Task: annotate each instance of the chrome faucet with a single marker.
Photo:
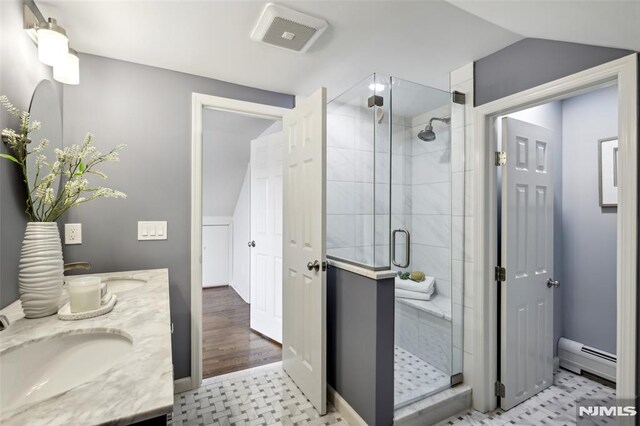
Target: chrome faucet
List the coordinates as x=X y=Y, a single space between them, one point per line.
x=76 y=265
x=4 y=322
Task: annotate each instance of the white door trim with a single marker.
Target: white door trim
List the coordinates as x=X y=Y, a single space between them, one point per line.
x=198 y=102
x=624 y=72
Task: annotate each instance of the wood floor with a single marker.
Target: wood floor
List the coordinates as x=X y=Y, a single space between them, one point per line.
x=228 y=342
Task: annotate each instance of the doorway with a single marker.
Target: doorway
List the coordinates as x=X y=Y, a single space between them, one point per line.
x=557 y=246
x=303 y=238
x=622 y=72
x=241 y=218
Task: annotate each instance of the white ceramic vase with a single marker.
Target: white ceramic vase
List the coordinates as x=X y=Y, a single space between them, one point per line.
x=41 y=270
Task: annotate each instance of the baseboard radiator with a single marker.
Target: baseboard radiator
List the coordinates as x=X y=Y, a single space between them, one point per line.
x=577 y=357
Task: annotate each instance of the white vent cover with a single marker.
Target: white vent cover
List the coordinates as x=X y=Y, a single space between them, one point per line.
x=287 y=28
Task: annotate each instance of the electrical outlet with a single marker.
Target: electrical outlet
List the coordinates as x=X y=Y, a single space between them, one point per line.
x=72 y=233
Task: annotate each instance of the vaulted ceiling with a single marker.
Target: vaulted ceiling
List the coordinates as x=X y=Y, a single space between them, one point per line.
x=421 y=41
x=608 y=23
x=418 y=41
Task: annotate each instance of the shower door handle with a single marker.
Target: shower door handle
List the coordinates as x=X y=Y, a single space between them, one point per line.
x=407 y=248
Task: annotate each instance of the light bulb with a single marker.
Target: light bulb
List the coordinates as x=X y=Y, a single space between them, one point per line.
x=68 y=70
x=53 y=44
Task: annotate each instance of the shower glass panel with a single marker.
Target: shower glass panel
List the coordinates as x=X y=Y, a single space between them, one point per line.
x=395 y=200
x=421 y=208
x=358 y=192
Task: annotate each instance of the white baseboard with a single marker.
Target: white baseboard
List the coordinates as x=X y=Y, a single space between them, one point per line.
x=343 y=407
x=182 y=385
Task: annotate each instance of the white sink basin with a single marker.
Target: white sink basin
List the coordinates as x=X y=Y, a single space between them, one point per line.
x=44 y=368
x=119 y=285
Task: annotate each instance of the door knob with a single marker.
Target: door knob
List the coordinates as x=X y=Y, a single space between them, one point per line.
x=553 y=283
x=315 y=265
x=251 y=243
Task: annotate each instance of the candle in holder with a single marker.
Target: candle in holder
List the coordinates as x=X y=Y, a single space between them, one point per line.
x=84 y=294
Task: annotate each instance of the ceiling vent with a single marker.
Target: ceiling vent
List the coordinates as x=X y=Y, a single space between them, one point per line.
x=287 y=28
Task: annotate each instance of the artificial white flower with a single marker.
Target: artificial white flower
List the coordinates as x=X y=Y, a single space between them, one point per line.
x=42 y=145
x=40 y=161
x=73 y=164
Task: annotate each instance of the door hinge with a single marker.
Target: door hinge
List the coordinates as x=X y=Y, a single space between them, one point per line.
x=375 y=100
x=499 y=389
x=458 y=98
x=456 y=379
x=501 y=274
x=501 y=158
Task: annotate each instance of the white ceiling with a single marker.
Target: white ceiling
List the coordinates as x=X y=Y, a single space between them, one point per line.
x=225 y=155
x=421 y=41
x=609 y=23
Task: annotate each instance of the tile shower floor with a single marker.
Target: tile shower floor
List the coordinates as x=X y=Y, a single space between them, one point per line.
x=555 y=405
x=415 y=378
x=259 y=396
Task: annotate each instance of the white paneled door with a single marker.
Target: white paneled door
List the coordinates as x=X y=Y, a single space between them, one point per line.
x=215 y=255
x=526 y=362
x=304 y=338
x=266 y=236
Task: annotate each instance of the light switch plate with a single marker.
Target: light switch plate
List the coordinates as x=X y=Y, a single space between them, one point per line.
x=72 y=233
x=152 y=230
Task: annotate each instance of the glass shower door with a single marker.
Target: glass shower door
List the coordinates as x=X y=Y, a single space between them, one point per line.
x=421 y=239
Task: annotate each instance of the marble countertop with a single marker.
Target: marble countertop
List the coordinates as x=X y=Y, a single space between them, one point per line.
x=138 y=387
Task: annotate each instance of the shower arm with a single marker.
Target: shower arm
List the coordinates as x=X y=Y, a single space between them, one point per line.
x=445 y=120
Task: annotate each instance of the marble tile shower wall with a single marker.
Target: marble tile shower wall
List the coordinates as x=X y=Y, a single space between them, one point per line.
x=431 y=200
x=350 y=184
x=374 y=186
x=398 y=181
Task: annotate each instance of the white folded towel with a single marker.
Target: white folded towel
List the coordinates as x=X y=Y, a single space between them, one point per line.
x=417 y=295
x=426 y=286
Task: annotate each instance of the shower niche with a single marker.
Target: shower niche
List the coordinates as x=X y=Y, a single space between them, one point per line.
x=395 y=202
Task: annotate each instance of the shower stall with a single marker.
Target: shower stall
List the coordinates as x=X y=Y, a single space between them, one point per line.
x=395 y=202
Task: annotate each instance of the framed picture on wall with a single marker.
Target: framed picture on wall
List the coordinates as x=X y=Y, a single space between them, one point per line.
x=608 y=172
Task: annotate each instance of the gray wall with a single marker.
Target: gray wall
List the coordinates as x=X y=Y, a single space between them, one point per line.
x=149 y=109
x=531 y=62
x=20 y=73
x=588 y=282
x=360 y=324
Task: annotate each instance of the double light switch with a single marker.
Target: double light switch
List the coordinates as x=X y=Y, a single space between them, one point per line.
x=156 y=230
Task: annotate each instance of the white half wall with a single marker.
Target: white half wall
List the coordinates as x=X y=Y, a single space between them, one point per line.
x=241 y=259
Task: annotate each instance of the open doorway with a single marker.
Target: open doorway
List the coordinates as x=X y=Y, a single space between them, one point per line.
x=303 y=271
x=241 y=241
x=557 y=199
x=487 y=382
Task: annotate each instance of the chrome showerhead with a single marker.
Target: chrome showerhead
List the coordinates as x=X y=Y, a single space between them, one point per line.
x=427 y=134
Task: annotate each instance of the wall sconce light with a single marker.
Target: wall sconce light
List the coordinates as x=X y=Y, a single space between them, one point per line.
x=53 y=45
x=68 y=70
